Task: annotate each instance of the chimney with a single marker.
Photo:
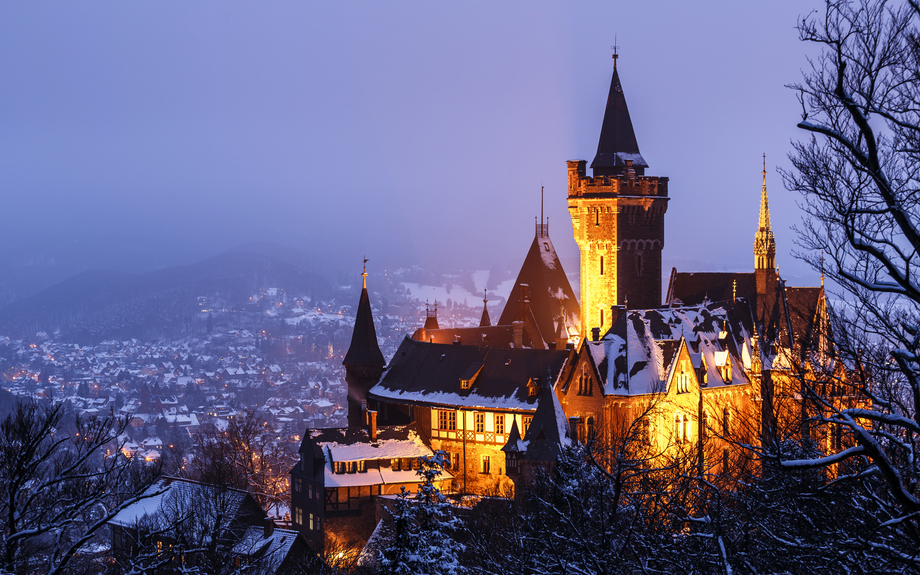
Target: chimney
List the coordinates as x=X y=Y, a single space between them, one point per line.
x=630 y=171
x=372 y=424
x=518 y=327
x=269 y=527
x=615 y=312
x=595 y=333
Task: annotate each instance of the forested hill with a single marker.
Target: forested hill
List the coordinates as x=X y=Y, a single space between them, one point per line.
x=98 y=305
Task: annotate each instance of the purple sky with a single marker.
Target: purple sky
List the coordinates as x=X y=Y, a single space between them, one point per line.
x=410 y=132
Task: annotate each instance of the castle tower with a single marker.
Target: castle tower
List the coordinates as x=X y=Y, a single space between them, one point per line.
x=618 y=220
x=363 y=362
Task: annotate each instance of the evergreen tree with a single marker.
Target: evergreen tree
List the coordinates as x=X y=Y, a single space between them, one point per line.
x=420 y=541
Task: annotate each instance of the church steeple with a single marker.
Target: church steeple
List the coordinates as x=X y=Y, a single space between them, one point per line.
x=764 y=242
x=617 y=142
x=363 y=362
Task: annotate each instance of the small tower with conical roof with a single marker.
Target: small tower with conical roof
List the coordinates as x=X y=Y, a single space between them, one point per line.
x=618 y=219
x=486 y=321
x=363 y=362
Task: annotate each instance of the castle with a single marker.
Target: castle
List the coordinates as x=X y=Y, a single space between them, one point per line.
x=687 y=376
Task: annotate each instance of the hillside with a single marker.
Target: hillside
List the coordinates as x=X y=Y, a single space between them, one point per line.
x=98 y=305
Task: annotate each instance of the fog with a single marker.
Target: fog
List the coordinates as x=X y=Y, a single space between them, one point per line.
x=140 y=135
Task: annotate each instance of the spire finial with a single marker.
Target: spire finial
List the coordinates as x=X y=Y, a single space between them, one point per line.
x=615 y=55
x=485 y=296
x=364 y=274
x=822 y=270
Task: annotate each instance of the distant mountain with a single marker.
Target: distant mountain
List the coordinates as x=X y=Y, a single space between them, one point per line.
x=97 y=305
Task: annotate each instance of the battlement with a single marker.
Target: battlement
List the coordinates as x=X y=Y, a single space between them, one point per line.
x=625 y=184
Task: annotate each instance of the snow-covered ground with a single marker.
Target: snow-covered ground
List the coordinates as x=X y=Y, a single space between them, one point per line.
x=459 y=294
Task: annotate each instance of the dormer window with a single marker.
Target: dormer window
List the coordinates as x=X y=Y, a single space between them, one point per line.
x=683 y=383
x=468 y=378
x=726 y=370
x=533 y=386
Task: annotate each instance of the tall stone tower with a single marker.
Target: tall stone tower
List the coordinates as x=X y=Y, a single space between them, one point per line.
x=618 y=219
x=363 y=362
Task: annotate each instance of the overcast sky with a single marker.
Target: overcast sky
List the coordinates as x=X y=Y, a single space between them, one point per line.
x=411 y=132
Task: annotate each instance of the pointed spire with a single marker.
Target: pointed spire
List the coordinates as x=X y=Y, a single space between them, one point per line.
x=764 y=242
x=617 y=142
x=364 y=350
x=485 y=321
x=764 y=203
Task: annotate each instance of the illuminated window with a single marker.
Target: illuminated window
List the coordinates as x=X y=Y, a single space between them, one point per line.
x=447 y=420
x=499 y=423
x=486 y=464
x=362 y=466
x=480 y=420
x=525 y=423
x=298 y=515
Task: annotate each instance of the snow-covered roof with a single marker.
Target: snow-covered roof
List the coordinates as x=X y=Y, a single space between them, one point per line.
x=641 y=347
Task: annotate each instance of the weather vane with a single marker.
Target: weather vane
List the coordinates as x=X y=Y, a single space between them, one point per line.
x=364 y=273
x=615 y=55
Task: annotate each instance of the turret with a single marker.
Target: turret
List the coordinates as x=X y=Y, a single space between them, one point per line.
x=364 y=363
x=485 y=321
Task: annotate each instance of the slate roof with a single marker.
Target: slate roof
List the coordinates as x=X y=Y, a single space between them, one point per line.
x=803 y=308
x=429 y=374
x=354 y=443
x=549 y=291
x=364 y=350
x=171 y=496
x=494 y=336
x=549 y=431
x=617 y=142
x=692 y=288
x=785 y=311
x=642 y=345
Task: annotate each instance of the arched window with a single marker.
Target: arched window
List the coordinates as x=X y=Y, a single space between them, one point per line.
x=686 y=430
x=597 y=217
x=590 y=423
x=602 y=265
x=677 y=428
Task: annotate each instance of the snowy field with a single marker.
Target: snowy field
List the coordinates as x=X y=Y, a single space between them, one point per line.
x=459 y=294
